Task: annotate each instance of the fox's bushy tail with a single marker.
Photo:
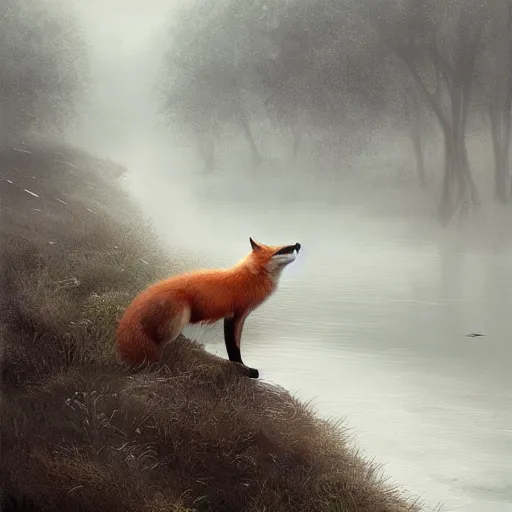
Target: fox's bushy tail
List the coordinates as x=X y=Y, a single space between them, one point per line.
x=134 y=346
x=141 y=338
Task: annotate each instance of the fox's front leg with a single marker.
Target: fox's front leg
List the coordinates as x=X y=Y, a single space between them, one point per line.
x=232 y=336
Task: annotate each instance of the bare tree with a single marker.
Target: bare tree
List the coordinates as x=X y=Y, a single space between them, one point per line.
x=438 y=42
x=496 y=80
x=417 y=121
x=207 y=75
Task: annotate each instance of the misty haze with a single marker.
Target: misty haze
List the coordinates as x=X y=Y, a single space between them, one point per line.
x=375 y=133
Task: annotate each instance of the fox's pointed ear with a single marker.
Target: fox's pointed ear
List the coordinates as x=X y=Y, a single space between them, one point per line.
x=254 y=245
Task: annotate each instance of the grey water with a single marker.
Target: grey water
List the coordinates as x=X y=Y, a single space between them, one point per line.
x=370 y=324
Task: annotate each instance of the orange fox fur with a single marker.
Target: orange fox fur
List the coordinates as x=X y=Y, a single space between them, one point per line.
x=158 y=314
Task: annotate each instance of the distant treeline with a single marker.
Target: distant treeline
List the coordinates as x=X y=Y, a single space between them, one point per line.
x=323 y=66
x=322 y=73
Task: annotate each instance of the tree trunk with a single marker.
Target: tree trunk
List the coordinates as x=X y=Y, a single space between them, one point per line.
x=417 y=144
x=446 y=208
x=461 y=171
x=250 y=138
x=457 y=86
x=458 y=184
x=500 y=131
x=417 y=140
x=502 y=173
x=475 y=196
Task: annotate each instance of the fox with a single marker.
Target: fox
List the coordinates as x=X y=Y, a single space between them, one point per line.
x=158 y=314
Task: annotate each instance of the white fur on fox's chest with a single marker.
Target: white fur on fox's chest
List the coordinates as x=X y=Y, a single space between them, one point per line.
x=277 y=264
x=275 y=274
x=274 y=266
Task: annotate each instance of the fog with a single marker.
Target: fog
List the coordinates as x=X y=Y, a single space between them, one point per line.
x=371 y=321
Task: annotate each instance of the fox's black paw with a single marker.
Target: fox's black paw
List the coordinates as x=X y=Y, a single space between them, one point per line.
x=253 y=373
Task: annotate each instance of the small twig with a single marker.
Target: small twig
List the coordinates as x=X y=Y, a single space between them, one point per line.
x=29 y=192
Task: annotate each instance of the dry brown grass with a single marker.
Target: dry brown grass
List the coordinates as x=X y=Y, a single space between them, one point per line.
x=81 y=432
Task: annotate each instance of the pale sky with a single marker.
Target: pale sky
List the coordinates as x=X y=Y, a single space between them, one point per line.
x=125 y=51
x=121 y=24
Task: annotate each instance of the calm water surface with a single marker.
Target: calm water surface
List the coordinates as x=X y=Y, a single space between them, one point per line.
x=370 y=323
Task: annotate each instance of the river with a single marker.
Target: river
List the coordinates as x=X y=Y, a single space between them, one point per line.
x=370 y=324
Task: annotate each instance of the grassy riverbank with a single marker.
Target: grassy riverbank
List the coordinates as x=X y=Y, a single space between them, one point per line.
x=80 y=431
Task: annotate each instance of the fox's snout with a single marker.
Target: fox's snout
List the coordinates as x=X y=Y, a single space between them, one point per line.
x=289 y=249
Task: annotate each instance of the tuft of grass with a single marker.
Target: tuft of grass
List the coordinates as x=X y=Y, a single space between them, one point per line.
x=82 y=432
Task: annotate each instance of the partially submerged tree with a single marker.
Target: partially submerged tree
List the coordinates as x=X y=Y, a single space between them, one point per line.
x=496 y=81
x=438 y=43
x=42 y=68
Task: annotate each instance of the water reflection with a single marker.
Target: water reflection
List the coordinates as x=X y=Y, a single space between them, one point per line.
x=370 y=323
